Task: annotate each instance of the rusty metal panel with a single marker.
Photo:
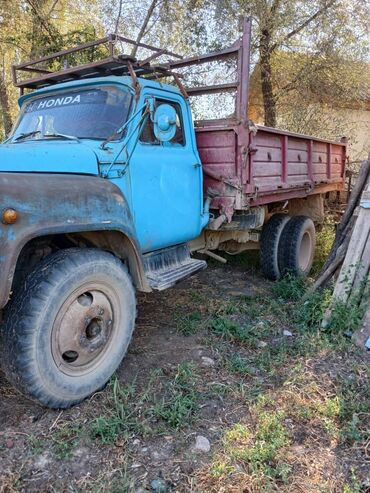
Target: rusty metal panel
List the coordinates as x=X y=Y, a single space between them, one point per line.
x=217 y=150
x=49 y=204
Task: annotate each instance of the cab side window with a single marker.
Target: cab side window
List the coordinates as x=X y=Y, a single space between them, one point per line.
x=147 y=134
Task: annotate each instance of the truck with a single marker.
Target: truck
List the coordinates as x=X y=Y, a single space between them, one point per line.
x=109 y=187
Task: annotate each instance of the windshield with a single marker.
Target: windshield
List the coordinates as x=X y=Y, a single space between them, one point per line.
x=85 y=114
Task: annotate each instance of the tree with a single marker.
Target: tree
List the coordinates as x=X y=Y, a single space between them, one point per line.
x=321 y=28
x=33 y=28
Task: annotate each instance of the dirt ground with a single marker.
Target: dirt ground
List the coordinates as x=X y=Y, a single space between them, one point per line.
x=221 y=360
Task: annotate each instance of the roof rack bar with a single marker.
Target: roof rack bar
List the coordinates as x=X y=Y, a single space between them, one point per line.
x=150 y=58
x=84 y=46
x=198 y=91
x=144 y=45
x=242 y=96
x=38 y=70
x=128 y=65
x=208 y=57
x=74 y=70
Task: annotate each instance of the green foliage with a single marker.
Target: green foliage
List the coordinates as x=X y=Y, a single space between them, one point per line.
x=324 y=240
x=121 y=417
x=189 y=323
x=64 y=441
x=290 y=288
x=238 y=364
x=354 y=411
x=230 y=330
x=345 y=317
x=309 y=314
x=37 y=444
x=259 y=450
x=179 y=403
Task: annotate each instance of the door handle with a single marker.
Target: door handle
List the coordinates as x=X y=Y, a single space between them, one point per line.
x=197 y=165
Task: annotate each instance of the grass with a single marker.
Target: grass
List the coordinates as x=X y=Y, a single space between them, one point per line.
x=179 y=403
x=256 y=451
x=280 y=387
x=324 y=241
x=189 y=323
x=122 y=418
x=236 y=363
x=169 y=400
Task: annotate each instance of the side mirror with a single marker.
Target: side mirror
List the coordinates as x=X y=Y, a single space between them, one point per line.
x=165 y=122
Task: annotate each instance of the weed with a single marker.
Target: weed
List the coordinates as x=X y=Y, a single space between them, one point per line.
x=190 y=323
x=121 y=419
x=236 y=363
x=198 y=297
x=290 y=288
x=355 y=486
x=36 y=444
x=324 y=241
x=345 y=317
x=354 y=411
x=309 y=314
x=259 y=450
x=218 y=389
x=270 y=437
x=232 y=331
x=220 y=469
x=179 y=403
x=330 y=408
x=64 y=441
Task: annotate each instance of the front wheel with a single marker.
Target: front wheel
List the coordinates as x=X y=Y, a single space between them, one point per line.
x=69 y=327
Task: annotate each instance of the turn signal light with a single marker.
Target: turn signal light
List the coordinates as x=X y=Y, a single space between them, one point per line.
x=9 y=216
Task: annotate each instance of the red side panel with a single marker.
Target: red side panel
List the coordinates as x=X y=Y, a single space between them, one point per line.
x=284 y=161
x=267 y=165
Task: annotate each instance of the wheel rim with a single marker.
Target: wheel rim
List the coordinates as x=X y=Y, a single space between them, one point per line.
x=305 y=251
x=84 y=328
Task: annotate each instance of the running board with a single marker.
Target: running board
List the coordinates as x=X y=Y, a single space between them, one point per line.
x=167 y=267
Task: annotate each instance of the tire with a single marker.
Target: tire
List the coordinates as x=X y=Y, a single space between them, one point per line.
x=297 y=246
x=69 y=326
x=271 y=233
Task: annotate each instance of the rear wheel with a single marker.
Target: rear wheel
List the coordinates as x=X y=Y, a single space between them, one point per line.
x=297 y=246
x=270 y=238
x=69 y=327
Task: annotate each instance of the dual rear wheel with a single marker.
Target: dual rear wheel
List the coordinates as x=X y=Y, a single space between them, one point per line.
x=287 y=246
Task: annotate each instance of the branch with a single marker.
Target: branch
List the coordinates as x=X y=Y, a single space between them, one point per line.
x=275 y=6
x=43 y=21
x=144 y=26
x=55 y=3
x=118 y=16
x=304 y=24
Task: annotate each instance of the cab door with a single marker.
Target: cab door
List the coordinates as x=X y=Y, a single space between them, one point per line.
x=166 y=181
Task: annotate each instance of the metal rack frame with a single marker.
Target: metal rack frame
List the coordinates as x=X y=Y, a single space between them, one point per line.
x=115 y=64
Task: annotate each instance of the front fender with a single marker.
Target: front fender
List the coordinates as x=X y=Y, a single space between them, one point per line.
x=49 y=204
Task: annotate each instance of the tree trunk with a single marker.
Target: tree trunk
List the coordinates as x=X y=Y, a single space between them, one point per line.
x=269 y=101
x=5 y=107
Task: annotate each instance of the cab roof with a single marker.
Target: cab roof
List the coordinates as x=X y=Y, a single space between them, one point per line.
x=98 y=81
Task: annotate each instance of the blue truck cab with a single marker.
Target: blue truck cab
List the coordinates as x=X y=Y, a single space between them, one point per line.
x=101 y=189
x=163 y=177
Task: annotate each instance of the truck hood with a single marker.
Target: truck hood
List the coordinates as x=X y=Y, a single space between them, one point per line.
x=48 y=157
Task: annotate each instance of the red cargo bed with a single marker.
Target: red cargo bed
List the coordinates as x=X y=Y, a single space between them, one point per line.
x=260 y=165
